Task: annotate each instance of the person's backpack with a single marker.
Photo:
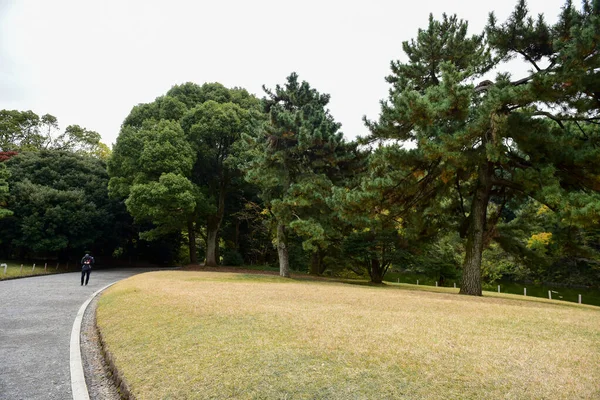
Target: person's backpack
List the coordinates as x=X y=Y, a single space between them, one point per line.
x=87 y=264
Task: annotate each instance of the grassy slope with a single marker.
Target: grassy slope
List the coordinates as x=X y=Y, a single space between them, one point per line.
x=201 y=335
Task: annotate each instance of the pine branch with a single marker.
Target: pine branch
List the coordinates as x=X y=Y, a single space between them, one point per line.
x=518 y=162
x=524 y=80
x=519 y=188
x=530 y=77
x=586 y=137
x=530 y=60
x=559 y=120
x=506 y=183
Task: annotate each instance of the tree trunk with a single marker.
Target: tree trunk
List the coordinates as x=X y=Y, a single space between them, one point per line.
x=212 y=228
x=211 y=243
x=471 y=280
x=441 y=280
x=376 y=271
x=192 y=242
x=282 y=251
x=315 y=263
x=322 y=265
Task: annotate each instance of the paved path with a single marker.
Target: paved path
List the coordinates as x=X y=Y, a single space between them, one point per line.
x=36 y=318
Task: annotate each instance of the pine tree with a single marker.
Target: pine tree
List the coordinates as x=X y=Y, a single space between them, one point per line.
x=497 y=141
x=380 y=206
x=293 y=160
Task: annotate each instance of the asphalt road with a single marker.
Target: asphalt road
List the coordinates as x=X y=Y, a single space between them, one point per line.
x=36 y=318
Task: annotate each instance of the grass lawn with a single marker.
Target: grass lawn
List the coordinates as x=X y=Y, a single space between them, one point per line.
x=211 y=335
x=14 y=270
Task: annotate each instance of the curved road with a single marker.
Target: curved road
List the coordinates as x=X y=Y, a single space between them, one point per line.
x=36 y=318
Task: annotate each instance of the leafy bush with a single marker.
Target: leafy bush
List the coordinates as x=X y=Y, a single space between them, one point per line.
x=232 y=257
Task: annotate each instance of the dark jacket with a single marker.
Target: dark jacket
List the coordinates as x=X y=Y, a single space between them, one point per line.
x=86 y=262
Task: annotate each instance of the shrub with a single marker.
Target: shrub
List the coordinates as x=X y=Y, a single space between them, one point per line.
x=232 y=257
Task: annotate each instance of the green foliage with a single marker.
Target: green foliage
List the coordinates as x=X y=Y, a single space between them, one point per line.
x=189 y=134
x=4 y=190
x=143 y=155
x=192 y=95
x=497 y=142
x=249 y=229
x=150 y=167
x=439 y=259
x=232 y=257
x=295 y=159
x=443 y=41
x=60 y=202
x=540 y=245
x=26 y=131
x=19 y=130
x=389 y=208
x=165 y=203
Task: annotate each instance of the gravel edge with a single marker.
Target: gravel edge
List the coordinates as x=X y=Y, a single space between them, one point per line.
x=98 y=375
x=117 y=378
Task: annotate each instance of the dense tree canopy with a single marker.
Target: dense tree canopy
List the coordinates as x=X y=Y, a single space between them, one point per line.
x=26 y=131
x=190 y=134
x=60 y=203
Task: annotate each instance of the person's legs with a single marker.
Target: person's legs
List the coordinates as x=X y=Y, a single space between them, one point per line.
x=82 y=275
x=87 y=276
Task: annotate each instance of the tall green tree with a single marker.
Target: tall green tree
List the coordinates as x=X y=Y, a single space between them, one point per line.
x=20 y=130
x=190 y=132
x=214 y=131
x=26 y=131
x=289 y=157
x=497 y=141
x=151 y=169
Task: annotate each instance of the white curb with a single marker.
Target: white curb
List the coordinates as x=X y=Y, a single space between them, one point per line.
x=78 y=385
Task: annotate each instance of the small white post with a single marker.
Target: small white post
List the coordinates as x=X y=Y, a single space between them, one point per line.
x=45 y=267
x=398 y=280
x=21 y=270
x=57 y=266
x=498 y=288
x=579 y=299
x=550 y=294
x=524 y=291
x=454 y=285
x=5 y=266
x=33 y=269
x=435 y=283
x=417 y=281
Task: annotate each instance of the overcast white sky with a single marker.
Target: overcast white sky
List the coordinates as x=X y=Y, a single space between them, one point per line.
x=89 y=62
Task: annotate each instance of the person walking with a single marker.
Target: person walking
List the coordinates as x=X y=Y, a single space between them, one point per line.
x=86 y=267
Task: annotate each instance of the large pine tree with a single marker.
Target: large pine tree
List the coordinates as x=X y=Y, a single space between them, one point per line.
x=493 y=141
x=294 y=160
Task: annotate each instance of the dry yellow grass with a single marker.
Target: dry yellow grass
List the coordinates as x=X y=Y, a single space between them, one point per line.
x=203 y=335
